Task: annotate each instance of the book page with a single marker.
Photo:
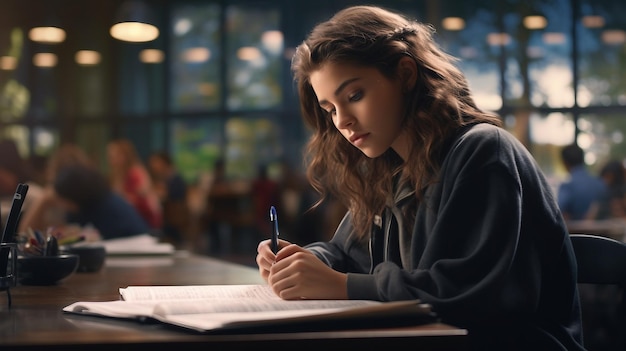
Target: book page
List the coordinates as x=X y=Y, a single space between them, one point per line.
x=253 y=305
x=117 y=309
x=323 y=314
x=197 y=292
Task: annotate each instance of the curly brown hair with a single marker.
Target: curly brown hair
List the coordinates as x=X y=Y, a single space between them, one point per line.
x=438 y=105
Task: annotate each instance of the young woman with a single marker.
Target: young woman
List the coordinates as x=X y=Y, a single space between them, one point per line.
x=131 y=179
x=443 y=204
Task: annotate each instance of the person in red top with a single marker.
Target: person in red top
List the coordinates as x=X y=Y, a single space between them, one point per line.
x=130 y=178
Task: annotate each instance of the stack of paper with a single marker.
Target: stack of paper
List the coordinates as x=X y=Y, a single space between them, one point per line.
x=143 y=244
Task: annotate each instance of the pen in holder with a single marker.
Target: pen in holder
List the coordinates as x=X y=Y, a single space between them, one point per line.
x=8 y=277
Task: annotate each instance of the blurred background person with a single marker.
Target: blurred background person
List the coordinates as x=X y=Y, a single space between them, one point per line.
x=218 y=210
x=612 y=204
x=13 y=168
x=65 y=156
x=77 y=193
x=37 y=165
x=577 y=194
x=130 y=178
x=264 y=192
x=171 y=189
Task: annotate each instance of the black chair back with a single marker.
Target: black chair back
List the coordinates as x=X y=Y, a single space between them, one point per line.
x=602 y=281
x=601 y=260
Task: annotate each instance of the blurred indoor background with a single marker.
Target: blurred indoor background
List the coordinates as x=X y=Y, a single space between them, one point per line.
x=211 y=80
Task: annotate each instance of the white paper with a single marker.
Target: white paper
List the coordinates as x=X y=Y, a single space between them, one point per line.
x=143 y=244
x=210 y=307
x=197 y=292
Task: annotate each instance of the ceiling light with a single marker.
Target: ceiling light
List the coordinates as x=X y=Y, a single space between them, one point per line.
x=196 y=55
x=87 y=57
x=453 y=23
x=535 y=22
x=45 y=60
x=498 y=39
x=593 y=21
x=151 y=56
x=134 y=23
x=48 y=35
x=614 y=37
x=248 y=53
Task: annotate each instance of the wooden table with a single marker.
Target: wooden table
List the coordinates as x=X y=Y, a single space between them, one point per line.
x=35 y=319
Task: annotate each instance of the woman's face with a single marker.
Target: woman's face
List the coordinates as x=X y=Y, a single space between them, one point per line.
x=364 y=105
x=115 y=156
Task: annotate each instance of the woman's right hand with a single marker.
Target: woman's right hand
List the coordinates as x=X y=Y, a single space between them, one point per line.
x=265 y=258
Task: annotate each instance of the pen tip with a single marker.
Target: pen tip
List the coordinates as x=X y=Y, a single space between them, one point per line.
x=272 y=213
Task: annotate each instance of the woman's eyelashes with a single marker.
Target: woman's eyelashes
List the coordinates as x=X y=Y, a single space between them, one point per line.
x=332 y=112
x=356 y=96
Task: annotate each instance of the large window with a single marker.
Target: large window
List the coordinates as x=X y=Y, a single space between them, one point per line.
x=226 y=61
x=196 y=60
x=197 y=145
x=254 y=49
x=216 y=81
x=601 y=53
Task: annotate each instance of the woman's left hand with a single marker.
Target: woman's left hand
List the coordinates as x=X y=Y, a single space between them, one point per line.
x=299 y=274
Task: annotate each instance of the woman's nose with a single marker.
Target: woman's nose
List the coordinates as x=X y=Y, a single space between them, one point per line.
x=343 y=119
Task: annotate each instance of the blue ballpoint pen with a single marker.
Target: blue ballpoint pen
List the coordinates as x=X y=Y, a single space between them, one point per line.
x=274 y=221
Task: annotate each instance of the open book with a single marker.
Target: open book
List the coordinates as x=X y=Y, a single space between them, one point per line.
x=210 y=308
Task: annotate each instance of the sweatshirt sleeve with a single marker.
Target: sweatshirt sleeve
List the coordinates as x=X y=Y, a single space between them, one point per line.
x=341 y=252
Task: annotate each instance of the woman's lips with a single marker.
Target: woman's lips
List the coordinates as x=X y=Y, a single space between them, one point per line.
x=358 y=138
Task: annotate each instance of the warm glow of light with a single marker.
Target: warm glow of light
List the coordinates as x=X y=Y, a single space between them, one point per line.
x=87 y=57
x=151 y=56
x=273 y=41
x=248 y=53
x=593 y=21
x=498 y=39
x=8 y=63
x=196 y=55
x=135 y=32
x=535 y=22
x=45 y=60
x=554 y=38
x=453 y=23
x=614 y=37
x=51 y=35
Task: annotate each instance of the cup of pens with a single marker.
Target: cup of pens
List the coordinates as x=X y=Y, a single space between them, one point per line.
x=40 y=262
x=8 y=270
